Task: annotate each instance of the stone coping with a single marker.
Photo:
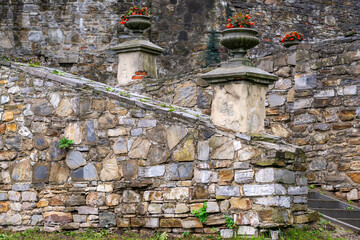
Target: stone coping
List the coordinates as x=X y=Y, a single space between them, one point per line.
x=266 y=140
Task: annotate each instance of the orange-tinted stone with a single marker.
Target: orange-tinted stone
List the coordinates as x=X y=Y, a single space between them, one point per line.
x=4 y=206
x=8 y=116
x=3 y=127
x=11 y=127
x=355 y=176
x=138 y=77
x=42 y=203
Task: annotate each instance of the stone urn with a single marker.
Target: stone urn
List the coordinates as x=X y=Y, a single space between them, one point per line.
x=239 y=40
x=290 y=43
x=138 y=23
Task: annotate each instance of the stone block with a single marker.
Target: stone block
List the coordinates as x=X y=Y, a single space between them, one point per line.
x=170 y=223
x=203 y=150
x=212 y=207
x=151 y=222
x=259 y=190
x=107 y=220
x=298 y=190
x=227 y=233
x=153 y=196
x=227 y=191
x=88 y=172
x=123 y=222
x=155 y=171
x=57 y=217
x=85 y=210
x=202 y=176
x=185 y=152
x=181 y=171
x=244 y=176
x=178 y=193
x=174 y=135
x=75 y=160
x=191 y=222
x=240 y=203
x=305 y=81
x=28 y=196
x=247 y=231
x=155 y=208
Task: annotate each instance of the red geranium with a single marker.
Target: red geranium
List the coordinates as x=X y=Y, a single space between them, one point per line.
x=292 y=36
x=240 y=20
x=134 y=11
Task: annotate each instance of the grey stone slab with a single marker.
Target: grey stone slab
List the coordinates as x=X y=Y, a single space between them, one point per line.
x=181 y=171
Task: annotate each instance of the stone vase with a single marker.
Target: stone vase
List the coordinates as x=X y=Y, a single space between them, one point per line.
x=239 y=40
x=289 y=43
x=138 y=23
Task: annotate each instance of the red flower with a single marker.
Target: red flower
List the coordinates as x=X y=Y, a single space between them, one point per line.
x=228 y=26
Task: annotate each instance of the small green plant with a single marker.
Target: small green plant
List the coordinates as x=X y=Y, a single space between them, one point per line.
x=350 y=208
x=65 y=143
x=185 y=234
x=109 y=89
x=34 y=64
x=350 y=202
x=163 y=104
x=58 y=72
x=201 y=213
x=124 y=94
x=161 y=236
x=312 y=186
x=144 y=101
x=230 y=222
x=171 y=110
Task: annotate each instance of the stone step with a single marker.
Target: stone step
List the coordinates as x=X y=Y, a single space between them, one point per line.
x=322 y=203
x=334 y=210
x=352 y=221
x=339 y=213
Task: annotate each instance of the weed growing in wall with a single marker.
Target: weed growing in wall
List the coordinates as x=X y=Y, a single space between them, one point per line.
x=201 y=213
x=65 y=143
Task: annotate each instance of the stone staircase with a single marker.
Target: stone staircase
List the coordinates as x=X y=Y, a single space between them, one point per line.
x=335 y=211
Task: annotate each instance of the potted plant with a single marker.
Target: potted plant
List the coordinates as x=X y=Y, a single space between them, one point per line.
x=292 y=38
x=136 y=19
x=239 y=35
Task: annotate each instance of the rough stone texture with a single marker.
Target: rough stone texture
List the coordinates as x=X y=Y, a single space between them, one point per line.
x=110 y=177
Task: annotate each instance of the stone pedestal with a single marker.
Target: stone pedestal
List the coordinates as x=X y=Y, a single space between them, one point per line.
x=134 y=56
x=239 y=96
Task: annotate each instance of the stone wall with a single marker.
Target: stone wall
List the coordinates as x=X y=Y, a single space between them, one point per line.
x=315 y=104
x=134 y=162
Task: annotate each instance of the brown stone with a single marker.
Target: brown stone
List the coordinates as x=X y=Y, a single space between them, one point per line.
x=347 y=115
x=341 y=126
x=98 y=104
x=123 y=222
x=137 y=222
x=4 y=207
x=58 y=174
x=282 y=118
x=8 y=116
x=64 y=109
x=140 y=148
x=56 y=202
x=42 y=203
x=11 y=127
x=7 y=156
x=279 y=130
x=222 y=164
x=200 y=192
x=355 y=176
x=226 y=176
x=186 y=152
x=240 y=203
x=170 y=223
x=57 y=217
x=354 y=141
x=2 y=128
x=215 y=219
x=301 y=219
x=95 y=199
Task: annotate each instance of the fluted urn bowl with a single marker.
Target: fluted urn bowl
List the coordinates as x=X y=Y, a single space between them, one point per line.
x=239 y=40
x=289 y=43
x=138 y=23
